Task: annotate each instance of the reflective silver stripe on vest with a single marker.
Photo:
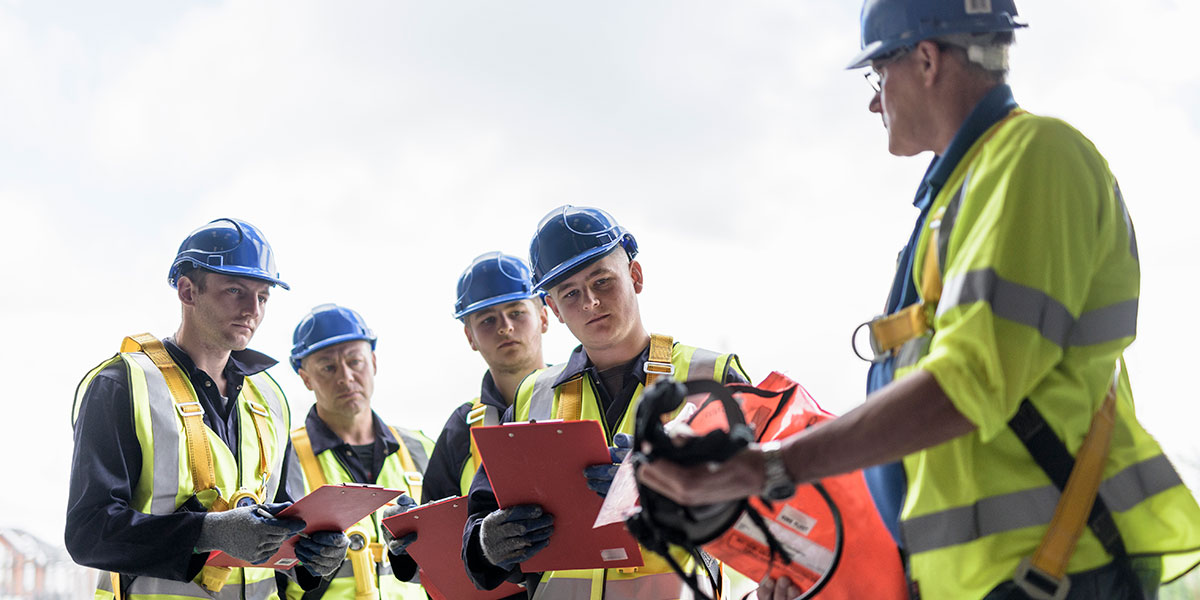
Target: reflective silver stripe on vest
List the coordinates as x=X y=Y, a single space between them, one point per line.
x=164 y=427
x=541 y=401
x=491 y=416
x=415 y=448
x=262 y=382
x=911 y=352
x=1033 y=307
x=347 y=569
x=656 y=586
x=703 y=364
x=1027 y=508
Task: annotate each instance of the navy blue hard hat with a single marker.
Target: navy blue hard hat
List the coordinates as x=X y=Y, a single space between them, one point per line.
x=326 y=325
x=570 y=237
x=228 y=246
x=493 y=278
x=889 y=25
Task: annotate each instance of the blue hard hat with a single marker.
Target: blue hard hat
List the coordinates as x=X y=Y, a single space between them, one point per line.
x=228 y=246
x=326 y=325
x=889 y=25
x=570 y=237
x=493 y=278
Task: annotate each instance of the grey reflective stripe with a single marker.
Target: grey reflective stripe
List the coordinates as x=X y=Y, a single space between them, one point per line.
x=703 y=365
x=262 y=382
x=653 y=586
x=1027 y=508
x=947 y=225
x=347 y=569
x=165 y=429
x=1106 y=324
x=1033 y=307
x=415 y=448
x=1128 y=222
x=491 y=416
x=150 y=586
x=104 y=581
x=911 y=351
x=541 y=401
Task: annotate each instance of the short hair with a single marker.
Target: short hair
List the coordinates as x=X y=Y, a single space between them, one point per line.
x=198 y=277
x=984 y=52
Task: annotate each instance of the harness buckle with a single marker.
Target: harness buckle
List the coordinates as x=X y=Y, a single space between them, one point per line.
x=189 y=409
x=659 y=368
x=258 y=410
x=476 y=414
x=413 y=478
x=878 y=354
x=1038 y=584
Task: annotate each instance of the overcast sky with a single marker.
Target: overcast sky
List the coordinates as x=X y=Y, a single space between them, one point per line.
x=382 y=145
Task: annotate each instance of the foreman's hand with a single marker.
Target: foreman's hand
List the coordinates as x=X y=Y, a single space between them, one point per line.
x=739 y=477
x=777 y=589
x=511 y=535
x=399 y=546
x=600 y=476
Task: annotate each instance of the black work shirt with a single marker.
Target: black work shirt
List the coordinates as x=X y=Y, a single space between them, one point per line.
x=481 y=500
x=323 y=439
x=102 y=530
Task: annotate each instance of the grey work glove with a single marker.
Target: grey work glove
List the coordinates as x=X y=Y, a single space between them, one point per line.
x=512 y=535
x=600 y=476
x=322 y=552
x=245 y=534
x=398 y=546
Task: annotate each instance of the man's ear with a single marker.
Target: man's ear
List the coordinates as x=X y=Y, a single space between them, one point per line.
x=186 y=290
x=545 y=317
x=553 y=307
x=931 y=60
x=374 y=367
x=470 y=338
x=635 y=273
x=304 y=377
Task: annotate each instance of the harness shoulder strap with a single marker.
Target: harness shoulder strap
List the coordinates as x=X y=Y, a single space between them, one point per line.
x=570 y=400
x=480 y=414
x=308 y=459
x=659 y=362
x=412 y=476
x=199 y=456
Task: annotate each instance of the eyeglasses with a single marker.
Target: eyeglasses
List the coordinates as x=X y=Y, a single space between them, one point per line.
x=874 y=76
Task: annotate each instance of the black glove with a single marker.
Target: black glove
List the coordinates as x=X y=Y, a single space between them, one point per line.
x=512 y=535
x=244 y=533
x=600 y=476
x=399 y=546
x=322 y=552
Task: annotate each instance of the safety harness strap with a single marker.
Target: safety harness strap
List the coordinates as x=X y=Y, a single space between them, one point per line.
x=199 y=456
x=570 y=400
x=659 y=362
x=308 y=459
x=1044 y=574
x=480 y=414
x=412 y=476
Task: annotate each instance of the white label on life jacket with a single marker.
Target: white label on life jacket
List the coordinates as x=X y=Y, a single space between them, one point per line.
x=792 y=517
x=805 y=552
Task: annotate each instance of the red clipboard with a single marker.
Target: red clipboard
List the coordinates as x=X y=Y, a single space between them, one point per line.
x=438 y=550
x=327 y=508
x=542 y=463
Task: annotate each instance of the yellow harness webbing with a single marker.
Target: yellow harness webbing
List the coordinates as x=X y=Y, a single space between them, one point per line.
x=474 y=419
x=658 y=363
x=199 y=456
x=412 y=476
x=308 y=460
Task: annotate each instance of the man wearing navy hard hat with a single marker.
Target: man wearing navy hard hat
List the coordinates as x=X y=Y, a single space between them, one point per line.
x=343 y=440
x=161 y=475
x=585 y=263
x=1001 y=349
x=503 y=320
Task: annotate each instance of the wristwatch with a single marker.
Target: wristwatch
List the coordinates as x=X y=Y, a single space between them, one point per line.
x=777 y=483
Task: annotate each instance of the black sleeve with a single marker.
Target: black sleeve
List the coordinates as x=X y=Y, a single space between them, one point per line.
x=103 y=530
x=734 y=370
x=481 y=501
x=403 y=566
x=450 y=455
